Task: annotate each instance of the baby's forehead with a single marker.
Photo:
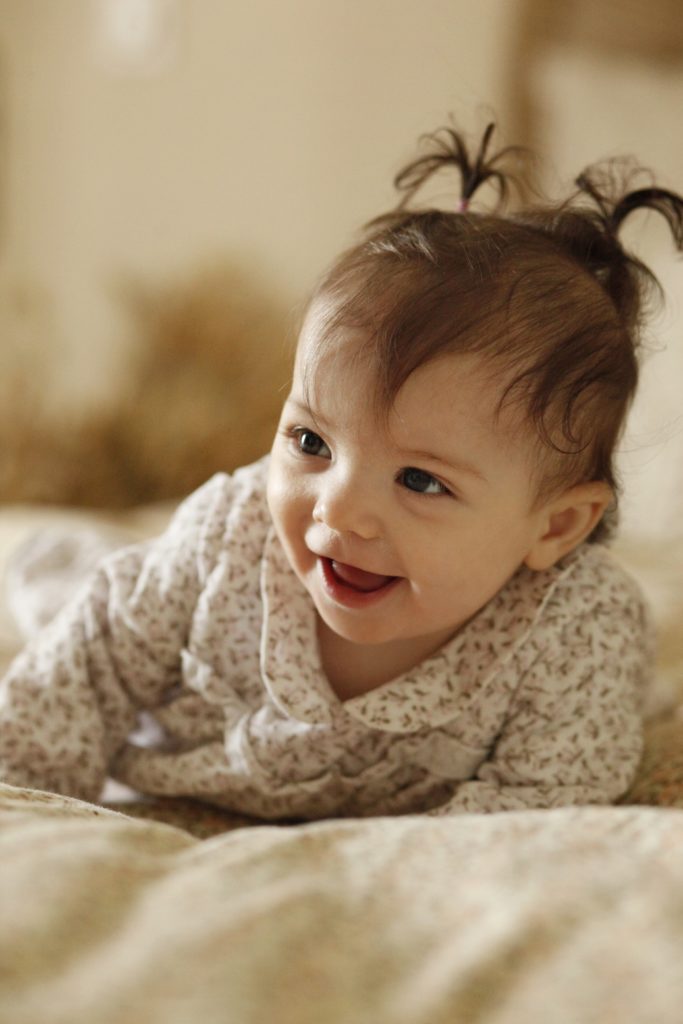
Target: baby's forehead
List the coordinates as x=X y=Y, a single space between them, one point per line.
x=340 y=349
x=325 y=351
x=344 y=381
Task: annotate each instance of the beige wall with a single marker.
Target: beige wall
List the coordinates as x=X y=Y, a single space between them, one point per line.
x=271 y=132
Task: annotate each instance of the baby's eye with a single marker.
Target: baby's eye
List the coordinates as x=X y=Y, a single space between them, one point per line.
x=310 y=443
x=423 y=483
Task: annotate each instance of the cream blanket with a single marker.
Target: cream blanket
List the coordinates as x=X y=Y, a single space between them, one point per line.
x=572 y=916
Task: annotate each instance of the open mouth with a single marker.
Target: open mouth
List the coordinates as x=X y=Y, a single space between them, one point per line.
x=351 y=585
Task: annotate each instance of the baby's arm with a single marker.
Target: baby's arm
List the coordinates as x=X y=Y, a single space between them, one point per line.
x=71 y=698
x=574 y=733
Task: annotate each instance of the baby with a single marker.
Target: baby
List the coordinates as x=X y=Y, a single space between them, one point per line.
x=407 y=606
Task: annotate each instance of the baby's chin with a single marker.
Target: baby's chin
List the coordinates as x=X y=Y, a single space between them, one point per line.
x=361 y=634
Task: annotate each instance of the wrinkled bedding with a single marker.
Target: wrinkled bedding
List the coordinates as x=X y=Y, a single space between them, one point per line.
x=573 y=915
x=175 y=912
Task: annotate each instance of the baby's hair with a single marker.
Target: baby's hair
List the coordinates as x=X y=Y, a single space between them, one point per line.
x=547 y=294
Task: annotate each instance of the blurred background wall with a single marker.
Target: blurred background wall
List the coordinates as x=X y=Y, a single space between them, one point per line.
x=169 y=164
x=148 y=141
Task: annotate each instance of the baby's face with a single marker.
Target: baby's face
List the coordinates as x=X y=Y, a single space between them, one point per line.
x=405 y=529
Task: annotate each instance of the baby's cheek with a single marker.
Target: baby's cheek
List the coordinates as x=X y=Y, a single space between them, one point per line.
x=277 y=485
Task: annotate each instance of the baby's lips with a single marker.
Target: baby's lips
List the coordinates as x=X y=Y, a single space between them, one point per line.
x=359 y=578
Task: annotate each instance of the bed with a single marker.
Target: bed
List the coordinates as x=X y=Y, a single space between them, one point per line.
x=168 y=911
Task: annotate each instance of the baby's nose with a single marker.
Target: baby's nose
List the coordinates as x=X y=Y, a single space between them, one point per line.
x=344 y=505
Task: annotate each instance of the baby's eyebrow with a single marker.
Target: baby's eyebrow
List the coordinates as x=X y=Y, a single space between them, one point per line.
x=305 y=407
x=450 y=462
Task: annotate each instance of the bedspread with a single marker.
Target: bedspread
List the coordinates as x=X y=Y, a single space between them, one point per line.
x=572 y=915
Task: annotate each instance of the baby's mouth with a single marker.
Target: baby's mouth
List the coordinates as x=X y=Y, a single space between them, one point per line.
x=359 y=579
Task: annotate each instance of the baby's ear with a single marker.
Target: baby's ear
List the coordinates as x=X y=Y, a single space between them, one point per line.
x=566 y=520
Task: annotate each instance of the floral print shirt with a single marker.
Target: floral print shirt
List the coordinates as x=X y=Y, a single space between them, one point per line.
x=189 y=666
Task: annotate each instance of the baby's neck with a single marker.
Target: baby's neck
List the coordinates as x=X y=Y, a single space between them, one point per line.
x=354 y=669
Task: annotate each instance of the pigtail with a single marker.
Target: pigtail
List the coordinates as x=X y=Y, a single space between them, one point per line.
x=450 y=149
x=592 y=235
x=614 y=213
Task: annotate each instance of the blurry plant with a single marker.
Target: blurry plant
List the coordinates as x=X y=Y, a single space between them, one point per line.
x=202 y=393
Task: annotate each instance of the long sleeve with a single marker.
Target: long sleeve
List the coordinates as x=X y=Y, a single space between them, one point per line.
x=574 y=732
x=71 y=698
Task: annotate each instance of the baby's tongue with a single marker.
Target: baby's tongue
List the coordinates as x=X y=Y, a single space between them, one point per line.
x=359 y=578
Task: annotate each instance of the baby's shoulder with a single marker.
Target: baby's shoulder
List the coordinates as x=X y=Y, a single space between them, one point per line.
x=224 y=494
x=228 y=513
x=591 y=586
